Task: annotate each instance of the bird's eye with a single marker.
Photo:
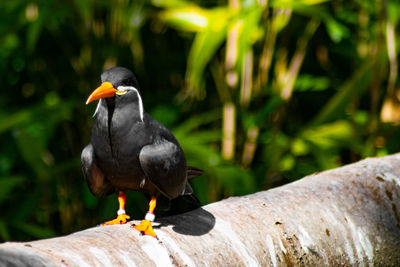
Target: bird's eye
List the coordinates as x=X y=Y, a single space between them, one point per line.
x=121 y=92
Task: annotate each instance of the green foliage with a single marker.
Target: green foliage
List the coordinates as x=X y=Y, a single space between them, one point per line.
x=258 y=93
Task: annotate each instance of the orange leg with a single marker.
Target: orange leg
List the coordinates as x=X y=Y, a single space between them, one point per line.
x=122 y=217
x=145 y=227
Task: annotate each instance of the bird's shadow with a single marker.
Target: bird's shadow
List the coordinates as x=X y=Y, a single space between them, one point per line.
x=196 y=222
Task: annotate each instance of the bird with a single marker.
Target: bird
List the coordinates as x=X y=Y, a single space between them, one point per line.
x=129 y=150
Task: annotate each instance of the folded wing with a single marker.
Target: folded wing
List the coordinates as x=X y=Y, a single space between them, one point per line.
x=164 y=164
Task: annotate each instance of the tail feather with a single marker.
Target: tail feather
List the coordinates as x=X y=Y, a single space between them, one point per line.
x=193 y=172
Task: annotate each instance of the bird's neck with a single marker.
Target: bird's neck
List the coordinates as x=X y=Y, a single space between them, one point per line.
x=138 y=103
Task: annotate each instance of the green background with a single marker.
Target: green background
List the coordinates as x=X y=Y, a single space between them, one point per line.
x=258 y=93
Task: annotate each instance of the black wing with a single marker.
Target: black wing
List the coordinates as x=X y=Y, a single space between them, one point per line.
x=164 y=164
x=98 y=184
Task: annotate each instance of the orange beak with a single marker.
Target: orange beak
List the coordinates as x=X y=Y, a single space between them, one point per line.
x=106 y=89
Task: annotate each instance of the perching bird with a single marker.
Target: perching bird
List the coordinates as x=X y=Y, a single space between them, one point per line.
x=129 y=150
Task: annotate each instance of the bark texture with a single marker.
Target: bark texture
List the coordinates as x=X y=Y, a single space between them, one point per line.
x=348 y=216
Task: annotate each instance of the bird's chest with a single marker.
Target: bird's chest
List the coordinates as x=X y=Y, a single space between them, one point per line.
x=117 y=143
x=127 y=142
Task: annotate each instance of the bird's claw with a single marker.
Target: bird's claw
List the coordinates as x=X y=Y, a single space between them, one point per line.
x=121 y=219
x=145 y=228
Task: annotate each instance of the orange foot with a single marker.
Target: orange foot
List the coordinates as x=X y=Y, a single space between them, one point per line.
x=121 y=219
x=145 y=228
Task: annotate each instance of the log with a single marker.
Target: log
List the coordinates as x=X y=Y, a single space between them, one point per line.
x=349 y=216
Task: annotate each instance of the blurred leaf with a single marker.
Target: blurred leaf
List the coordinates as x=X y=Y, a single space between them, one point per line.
x=300 y=147
x=280 y=19
x=170 y=3
x=236 y=180
x=10 y=42
x=189 y=18
x=204 y=47
x=50 y=110
x=196 y=121
x=327 y=136
x=326 y=159
x=167 y=115
x=203 y=137
x=88 y=197
x=10 y=121
x=33 y=34
x=4 y=231
x=32 y=150
x=7 y=185
x=307 y=82
x=356 y=84
x=361 y=117
x=201 y=189
x=34 y=230
x=393 y=8
x=295 y=3
x=271 y=105
x=336 y=30
x=85 y=8
x=287 y=163
x=249 y=31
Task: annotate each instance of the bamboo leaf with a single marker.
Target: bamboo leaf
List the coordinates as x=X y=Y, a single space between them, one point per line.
x=170 y=3
x=189 y=18
x=295 y=3
x=197 y=121
x=204 y=47
x=327 y=136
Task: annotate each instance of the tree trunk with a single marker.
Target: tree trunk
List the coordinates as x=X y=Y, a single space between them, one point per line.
x=348 y=216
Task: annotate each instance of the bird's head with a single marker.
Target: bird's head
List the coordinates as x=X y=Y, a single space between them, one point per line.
x=114 y=81
x=120 y=83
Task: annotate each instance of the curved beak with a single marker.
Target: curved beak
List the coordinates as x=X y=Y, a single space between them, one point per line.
x=106 y=89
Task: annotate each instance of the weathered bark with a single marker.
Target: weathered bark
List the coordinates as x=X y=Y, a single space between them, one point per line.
x=349 y=216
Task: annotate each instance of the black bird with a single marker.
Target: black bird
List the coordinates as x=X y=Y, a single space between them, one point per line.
x=129 y=150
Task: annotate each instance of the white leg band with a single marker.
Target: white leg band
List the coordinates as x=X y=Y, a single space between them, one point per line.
x=150 y=216
x=120 y=212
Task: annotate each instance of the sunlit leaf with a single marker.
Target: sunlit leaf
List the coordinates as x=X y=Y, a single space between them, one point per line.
x=170 y=3
x=189 y=18
x=287 y=163
x=393 y=11
x=204 y=47
x=294 y=3
x=281 y=18
x=307 y=82
x=300 y=147
x=329 y=135
x=249 y=33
